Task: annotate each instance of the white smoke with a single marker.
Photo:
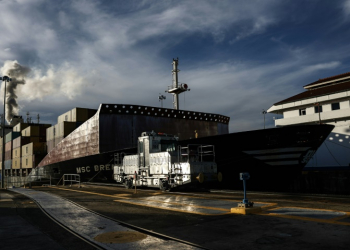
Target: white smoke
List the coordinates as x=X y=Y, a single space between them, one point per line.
x=17 y=73
x=32 y=84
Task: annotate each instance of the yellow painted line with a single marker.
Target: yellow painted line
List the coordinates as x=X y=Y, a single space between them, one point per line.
x=341 y=217
x=6 y=200
x=173 y=209
x=187 y=205
x=86 y=192
x=295 y=217
x=268 y=204
x=308 y=208
x=309 y=219
x=122 y=197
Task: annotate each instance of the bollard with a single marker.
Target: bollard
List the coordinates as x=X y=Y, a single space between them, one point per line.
x=245 y=203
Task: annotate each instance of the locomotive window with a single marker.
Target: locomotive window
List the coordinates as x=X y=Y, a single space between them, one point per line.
x=168 y=145
x=141 y=146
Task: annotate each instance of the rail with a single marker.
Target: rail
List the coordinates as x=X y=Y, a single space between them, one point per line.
x=197 y=152
x=71 y=178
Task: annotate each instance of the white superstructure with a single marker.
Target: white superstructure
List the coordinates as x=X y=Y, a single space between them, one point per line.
x=324 y=101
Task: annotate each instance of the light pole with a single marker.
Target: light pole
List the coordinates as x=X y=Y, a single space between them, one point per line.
x=161 y=98
x=4 y=79
x=264 y=113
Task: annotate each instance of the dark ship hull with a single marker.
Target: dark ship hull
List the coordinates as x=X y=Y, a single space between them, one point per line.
x=271 y=156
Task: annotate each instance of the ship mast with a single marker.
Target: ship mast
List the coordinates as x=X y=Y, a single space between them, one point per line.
x=176 y=89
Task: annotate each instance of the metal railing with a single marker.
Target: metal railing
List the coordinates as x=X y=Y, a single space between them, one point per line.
x=195 y=152
x=71 y=178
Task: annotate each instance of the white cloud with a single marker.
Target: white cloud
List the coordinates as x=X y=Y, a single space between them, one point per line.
x=86 y=52
x=346 y=7
x=62 y=82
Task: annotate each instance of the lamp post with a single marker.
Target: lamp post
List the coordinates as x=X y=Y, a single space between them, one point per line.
x=4 y=79
x=264 y=113
x=161 y=98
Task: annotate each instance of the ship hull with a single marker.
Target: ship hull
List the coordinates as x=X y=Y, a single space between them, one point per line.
x=273 y=157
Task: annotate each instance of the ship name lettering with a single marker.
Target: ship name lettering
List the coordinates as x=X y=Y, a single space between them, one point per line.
x=83 y=170
x=101 y=167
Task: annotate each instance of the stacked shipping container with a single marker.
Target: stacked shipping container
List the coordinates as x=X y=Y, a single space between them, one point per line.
x=27 y=144
x=33 y=136
x=66 y=124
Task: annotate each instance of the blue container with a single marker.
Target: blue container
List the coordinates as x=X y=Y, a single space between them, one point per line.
x=8 y=164
x=11 y=136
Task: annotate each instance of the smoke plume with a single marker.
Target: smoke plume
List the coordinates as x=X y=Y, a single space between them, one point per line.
x=17 y=73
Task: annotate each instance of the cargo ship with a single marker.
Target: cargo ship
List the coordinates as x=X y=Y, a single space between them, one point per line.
x=95 y=145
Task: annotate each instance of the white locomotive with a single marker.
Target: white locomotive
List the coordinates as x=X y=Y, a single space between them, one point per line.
x=160 y=162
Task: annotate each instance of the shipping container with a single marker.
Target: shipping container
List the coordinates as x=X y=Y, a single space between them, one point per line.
x=23 y=140
x=42 y=129
x=61 y=129
x=50 y=133
x=50 y=145
x=8 y=164
x=31 y=131
x=11 y=136
x=8 y=146
x=64 y=128
x=34 y=148
x=65 y=117
x=58 y=140
x=20 y=126
x=17 y=153
x=77 y=115
x=82 y=114
x=8 y=155
x=16 y=163
x=19 y=141
x=27 y=161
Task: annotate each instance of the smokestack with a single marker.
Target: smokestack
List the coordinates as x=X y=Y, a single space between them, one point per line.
x=17 y=72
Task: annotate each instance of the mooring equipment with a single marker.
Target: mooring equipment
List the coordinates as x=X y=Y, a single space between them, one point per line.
x=245 y=203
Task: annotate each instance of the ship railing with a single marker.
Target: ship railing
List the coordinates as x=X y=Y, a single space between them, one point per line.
x=197 y=152
x=71 y=178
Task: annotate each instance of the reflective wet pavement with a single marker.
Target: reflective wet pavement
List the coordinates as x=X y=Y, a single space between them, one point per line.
x=94 y=227
x=188 y=204
x=204 y=219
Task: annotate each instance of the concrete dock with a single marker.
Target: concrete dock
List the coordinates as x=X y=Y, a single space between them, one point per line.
x=100 y=217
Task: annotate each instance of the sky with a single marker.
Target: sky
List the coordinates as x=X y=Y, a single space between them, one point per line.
x=238 y=57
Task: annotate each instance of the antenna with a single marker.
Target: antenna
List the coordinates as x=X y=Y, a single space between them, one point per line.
x=27 y=116
x=38 y=117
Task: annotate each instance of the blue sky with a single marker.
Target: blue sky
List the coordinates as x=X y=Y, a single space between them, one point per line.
x=238 y=57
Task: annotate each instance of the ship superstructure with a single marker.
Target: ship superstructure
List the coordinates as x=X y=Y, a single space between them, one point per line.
x=325 y=101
